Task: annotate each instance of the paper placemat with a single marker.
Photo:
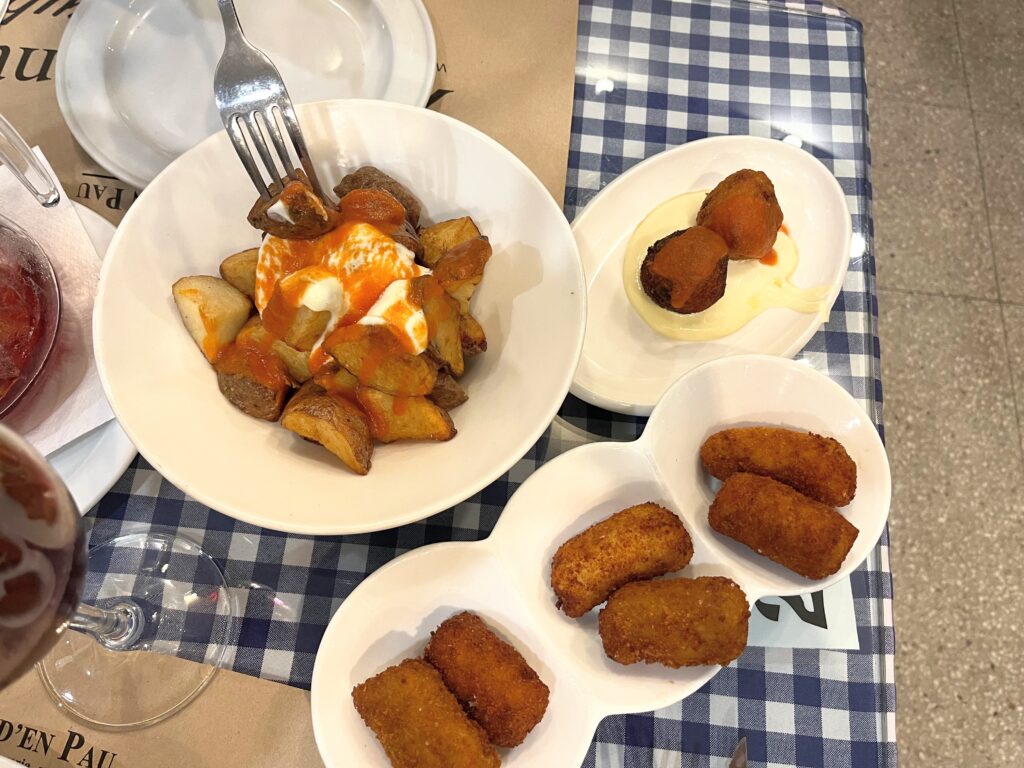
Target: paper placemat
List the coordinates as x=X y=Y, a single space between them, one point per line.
x=275 y=731
x=506 y=69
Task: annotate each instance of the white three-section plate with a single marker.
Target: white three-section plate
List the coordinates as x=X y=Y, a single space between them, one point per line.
x=135 y=77
x=505 y=578
x=626 y=365
x=91 y=464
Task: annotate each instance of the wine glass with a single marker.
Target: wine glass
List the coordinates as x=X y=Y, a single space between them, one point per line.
x=152 y=592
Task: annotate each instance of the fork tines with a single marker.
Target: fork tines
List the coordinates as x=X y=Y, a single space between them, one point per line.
x=248 y=131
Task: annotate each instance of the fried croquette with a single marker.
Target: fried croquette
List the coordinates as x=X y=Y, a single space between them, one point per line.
x=489 y=677
x=780 y=523
x=640 y=542
x=419 y=722
x=743 y=209
x=685 y=272
x=818 y=467
x=676 y=622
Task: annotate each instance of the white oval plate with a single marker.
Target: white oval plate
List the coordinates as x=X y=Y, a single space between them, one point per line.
x=506 y=576
x=531 y=303
x=626 y=365
x=135 y=77
x=91 y=464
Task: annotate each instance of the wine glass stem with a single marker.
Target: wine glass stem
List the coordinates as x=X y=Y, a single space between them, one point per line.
x=117 y=627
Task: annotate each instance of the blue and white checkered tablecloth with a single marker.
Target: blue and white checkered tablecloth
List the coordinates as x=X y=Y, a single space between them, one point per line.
x=650 y=74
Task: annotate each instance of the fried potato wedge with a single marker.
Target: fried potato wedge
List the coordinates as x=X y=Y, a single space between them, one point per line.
x=295 y=361
x=439 y=238
x=213 y=311
x=381 y=209
x=379 y=360
x=253 y=380
x=369 y=177
x=461 y=269
x=294 y=212
x=239 y=269
x=406 y=235
x=337 y=423
x=403 y=417
x=447 y=392
x=334 y=378
x=472 y=336
x=300 y=327
x=443 y=329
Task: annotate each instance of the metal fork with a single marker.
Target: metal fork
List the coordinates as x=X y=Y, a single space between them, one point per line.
x=250 y=96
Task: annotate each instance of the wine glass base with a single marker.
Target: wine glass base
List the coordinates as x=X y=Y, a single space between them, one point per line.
x=180 y=595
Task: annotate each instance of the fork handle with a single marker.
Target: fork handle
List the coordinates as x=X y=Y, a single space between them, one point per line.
x=228 y=14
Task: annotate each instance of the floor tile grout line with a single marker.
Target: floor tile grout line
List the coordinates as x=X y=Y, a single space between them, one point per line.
x=943 y=295
x=991 y=240
x=881 y=95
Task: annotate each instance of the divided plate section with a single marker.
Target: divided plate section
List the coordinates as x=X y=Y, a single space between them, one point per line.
x=764 y=391
x=390 y=617
x=561 y=499
x=506 y=578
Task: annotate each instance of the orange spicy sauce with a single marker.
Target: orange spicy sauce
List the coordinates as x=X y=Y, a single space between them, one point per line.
x=773 y=257
x=253 y=360
x=381 y=343
x=364 y=261
x=373 y=206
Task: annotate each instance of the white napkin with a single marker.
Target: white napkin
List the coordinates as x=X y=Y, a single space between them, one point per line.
x=67 y=400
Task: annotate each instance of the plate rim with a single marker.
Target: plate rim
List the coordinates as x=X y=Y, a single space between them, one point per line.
x=112 y=164
x=424 y=511
x=615 y=405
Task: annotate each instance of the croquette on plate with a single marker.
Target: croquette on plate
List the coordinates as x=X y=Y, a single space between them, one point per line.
x=818 y=467
x=489 y=677
x=685 y=272
x=676 y=622
x=419 y=722
x=774 y=520
x=640 y=542
x=743 y=209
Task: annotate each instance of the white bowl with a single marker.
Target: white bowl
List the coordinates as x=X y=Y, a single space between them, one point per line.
x=532 y=305
x=626 y=365
x=506 y=577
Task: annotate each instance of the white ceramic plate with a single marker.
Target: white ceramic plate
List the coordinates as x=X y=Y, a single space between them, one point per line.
x=91 y=464
x=626 y=366
x=505 y=578
x=531 y=303
x=135 y=77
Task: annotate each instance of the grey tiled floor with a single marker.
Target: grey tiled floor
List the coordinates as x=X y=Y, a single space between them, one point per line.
x=946 y=84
